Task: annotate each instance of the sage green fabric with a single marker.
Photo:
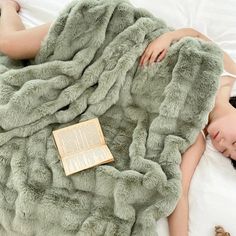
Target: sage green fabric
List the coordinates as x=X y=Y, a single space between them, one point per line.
x=88 y=67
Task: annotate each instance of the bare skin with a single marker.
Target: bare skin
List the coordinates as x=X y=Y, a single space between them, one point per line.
x=226 y=134
x=20 y=43
x=178 y=220
x=221 y=122
x=222 y=118
x=11 y=3
x=16 y=41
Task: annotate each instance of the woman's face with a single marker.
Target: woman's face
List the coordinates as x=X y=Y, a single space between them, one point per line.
x=222 y=132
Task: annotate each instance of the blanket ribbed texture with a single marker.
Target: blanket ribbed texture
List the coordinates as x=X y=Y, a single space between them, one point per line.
x=88 y=67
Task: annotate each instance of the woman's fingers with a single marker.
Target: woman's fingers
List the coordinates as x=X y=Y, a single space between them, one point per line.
x=146 y=54
x=141 y=60
x=146 y=58
x=152 y=55
x=162 y=55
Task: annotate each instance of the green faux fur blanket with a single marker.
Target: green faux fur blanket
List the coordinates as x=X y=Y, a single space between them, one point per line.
x=88 y=67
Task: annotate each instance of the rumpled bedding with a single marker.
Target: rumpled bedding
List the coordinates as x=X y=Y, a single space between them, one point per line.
x=88 y=67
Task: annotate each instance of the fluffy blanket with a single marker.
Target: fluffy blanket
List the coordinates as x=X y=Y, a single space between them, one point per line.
x=88 y=67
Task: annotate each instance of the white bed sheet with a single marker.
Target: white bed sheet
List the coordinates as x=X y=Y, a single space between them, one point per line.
x=212 y=194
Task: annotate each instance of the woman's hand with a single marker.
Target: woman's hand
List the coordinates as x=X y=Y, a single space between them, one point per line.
x=157 y=49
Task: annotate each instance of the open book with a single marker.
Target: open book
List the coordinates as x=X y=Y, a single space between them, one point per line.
x=82 y=146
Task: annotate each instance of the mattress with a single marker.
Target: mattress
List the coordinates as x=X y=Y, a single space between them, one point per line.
x=212 y=194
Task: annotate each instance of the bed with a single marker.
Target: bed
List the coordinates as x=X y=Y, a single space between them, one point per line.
x=213 y=188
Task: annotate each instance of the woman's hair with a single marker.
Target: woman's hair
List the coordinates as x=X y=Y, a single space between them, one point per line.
x=232 y=101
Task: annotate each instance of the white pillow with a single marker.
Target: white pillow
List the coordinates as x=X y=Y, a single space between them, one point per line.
x=38 y=12
x=173 y=12
x=217 y=19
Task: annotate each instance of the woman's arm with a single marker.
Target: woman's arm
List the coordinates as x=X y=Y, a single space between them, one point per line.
x=178 y=220
x=157 y=49
x=184 y=32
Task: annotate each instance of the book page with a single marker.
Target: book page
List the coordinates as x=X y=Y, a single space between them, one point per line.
x=86 y=159
x=82 y=146
x=79 y=137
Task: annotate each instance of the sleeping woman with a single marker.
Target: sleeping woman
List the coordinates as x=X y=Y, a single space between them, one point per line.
x=221 y=126
x=20 y=43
